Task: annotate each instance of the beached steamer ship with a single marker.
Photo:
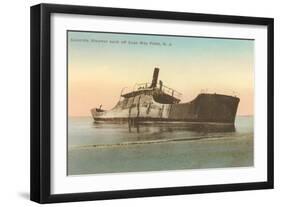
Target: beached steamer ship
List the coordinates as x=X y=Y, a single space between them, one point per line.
x=155 y=102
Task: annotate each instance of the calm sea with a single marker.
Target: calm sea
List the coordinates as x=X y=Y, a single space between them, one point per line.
x=111 y=148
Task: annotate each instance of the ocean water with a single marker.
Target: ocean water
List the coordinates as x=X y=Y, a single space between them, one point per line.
x=114 y=148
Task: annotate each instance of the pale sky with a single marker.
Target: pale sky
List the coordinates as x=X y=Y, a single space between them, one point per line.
x=101 y=64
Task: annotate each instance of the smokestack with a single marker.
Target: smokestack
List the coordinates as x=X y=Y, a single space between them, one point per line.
x=154 y=78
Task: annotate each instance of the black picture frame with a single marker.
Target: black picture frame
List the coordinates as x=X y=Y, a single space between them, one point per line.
x=41 y=98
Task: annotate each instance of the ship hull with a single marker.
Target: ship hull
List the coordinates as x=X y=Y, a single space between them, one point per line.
x=209 y=109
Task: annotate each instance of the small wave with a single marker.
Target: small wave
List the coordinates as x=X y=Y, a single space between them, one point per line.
x=157 y=141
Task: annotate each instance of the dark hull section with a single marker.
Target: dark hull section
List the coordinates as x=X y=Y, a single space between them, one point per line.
x=206 y=108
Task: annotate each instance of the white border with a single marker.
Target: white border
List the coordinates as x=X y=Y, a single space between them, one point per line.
x=60 y=183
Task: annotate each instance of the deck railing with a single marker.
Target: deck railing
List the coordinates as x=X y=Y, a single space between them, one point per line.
x=165 y=89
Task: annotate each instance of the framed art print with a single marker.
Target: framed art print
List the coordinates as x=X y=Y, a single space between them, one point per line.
x=132 y=103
